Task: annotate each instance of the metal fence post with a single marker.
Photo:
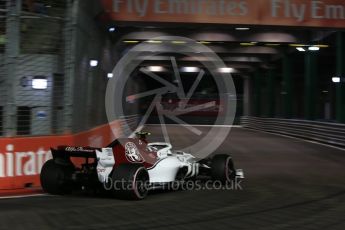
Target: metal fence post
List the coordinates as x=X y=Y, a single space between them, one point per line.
x=12 y=52
x=70 y=61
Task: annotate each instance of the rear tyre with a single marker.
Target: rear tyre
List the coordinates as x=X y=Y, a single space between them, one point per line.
x=130 y=181
x=222 y=168
x=55 y=178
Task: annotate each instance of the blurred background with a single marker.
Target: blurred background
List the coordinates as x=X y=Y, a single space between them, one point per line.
x=57 y=56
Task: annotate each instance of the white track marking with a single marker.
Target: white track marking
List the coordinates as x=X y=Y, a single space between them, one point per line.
x=23 y=196
x=255 y=130
x=220 y=126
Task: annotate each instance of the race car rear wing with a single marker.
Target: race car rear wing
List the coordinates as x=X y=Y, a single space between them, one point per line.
x=65 y=152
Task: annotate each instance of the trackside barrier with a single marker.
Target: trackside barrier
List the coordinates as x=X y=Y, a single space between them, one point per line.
x=323 y=132
x=21 y=159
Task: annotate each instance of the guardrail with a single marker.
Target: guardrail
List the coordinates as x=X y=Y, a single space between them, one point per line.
x=323 y=132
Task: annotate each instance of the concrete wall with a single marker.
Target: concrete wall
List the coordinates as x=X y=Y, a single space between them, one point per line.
x=39 y=100
x=90 y=83
x=44 y=50
x=2 y=91
x=2 y=78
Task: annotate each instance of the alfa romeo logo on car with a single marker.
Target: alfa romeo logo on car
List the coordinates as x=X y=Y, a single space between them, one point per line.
x=132 y=153
x=119 y=94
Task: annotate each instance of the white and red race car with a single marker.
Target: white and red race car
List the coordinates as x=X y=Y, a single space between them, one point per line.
x=129 y=167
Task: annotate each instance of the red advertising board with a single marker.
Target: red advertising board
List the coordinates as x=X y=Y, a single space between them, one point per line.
x=21 y=159
x=308 y=13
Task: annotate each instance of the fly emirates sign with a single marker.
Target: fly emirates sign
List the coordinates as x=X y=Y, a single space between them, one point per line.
x=15 y=163
x=326 y=13
x=196 y=7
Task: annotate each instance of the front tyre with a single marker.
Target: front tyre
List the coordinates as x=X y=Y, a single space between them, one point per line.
x=222 y=168
x=55 y=178
x=130 y=181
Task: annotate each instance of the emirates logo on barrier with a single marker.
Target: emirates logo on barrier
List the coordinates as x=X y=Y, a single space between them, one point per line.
x=16 y=163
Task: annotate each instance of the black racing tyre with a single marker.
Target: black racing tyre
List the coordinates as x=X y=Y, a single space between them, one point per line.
x=55 y=178
x=222 y=168
x=130 y=181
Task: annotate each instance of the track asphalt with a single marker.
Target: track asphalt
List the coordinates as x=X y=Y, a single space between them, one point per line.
x=290 y=184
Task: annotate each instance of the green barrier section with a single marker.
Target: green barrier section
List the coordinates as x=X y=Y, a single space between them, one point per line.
x=270 y=93
x=287 y=86
x=340 y=101
x=311 y=78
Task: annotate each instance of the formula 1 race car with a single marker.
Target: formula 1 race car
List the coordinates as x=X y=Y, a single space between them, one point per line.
x=134 y=163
